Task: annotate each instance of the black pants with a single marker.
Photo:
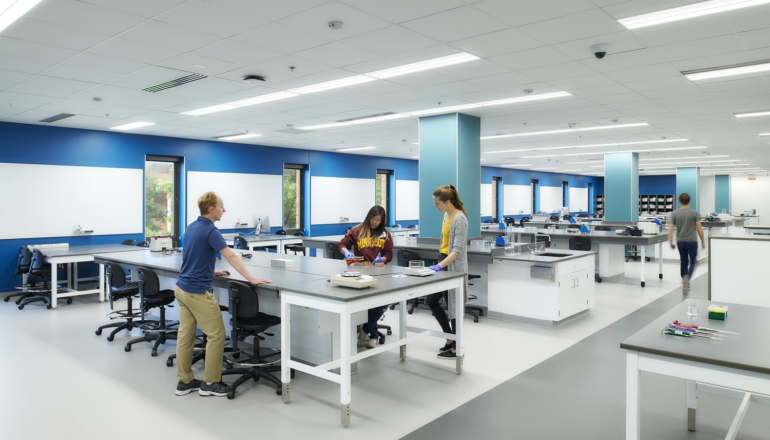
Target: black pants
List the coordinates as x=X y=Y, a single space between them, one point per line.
x=433 y=301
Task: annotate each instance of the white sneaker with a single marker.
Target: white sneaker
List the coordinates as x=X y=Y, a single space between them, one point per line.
x=372 y=343
x=361 y=337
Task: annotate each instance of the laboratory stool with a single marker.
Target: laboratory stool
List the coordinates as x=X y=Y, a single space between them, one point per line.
x=39 y=269
x=22 y=267
x=118 y=288
x=152 y=297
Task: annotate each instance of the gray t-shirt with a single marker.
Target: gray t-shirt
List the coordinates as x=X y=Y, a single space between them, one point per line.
x=684 y=221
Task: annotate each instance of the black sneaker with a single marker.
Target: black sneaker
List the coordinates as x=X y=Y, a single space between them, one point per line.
x=447 y=355
x=187 y=388
x=446 y=347
x=218 y=389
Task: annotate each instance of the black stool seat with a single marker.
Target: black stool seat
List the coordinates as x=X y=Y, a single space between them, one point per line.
x=129 y=289
x=162 y=298
x=262 y=321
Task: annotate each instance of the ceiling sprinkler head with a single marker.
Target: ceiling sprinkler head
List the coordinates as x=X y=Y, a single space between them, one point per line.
x=254 y=79
x=336 y=25
x=528 y=91
x=97 y=99
x=614 y=120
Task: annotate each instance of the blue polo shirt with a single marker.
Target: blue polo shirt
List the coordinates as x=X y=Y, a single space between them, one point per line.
x=202 y=241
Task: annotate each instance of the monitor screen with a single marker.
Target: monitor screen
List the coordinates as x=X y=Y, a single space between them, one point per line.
x=262 y=224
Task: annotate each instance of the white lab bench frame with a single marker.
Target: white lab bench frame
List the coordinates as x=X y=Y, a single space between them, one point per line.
x=346 y=310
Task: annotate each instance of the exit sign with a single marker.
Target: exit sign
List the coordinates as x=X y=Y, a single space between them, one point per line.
x=752 y=178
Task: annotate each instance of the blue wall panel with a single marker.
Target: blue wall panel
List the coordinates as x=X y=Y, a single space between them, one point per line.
x=722 y=193
x=688 y=181
x=621 y=171
x=658 y=185
x=438 y=165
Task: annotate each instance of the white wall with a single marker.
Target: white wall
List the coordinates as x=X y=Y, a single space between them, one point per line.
x=707 y=195
x=751 y=194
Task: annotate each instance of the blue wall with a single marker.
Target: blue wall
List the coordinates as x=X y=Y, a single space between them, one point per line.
x=658 y=185
x=722 y=193
x=34 y=144
x=523 y=177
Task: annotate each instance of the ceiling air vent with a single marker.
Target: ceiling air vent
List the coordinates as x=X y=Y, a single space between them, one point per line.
x=58 y=117
x=174 y=83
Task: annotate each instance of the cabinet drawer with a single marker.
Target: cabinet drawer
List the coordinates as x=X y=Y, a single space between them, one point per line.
x=575 y=265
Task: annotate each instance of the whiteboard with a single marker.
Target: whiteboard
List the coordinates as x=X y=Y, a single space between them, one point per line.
x=486 y=199
x=551 y=198
x=578 y=199
x=517 y=199
x=48 y=200
x=407 y=200
x=335 y=197
x=244 y=195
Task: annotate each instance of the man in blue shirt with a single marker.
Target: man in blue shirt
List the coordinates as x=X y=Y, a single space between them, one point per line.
x=197 y=304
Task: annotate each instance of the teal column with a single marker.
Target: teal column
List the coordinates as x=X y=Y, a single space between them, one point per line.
x=621 y=186
x=688 y=181
x=722 y=193
x=450 y=153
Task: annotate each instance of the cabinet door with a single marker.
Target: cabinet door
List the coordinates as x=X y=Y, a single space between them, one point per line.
x=566 y=288
x=573 y=299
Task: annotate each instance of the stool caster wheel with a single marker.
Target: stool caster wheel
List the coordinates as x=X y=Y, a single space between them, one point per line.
x=153 y=353
x=390 y=332
x=69 y=301
x=21 y=307
x=18 y=301
x=236 y=355
x=410 y=311
x=127 y=348
x=169 y=363
x=475 y=319
x=382 y=341
x=48 y=307
x=599 y=280
x=110 y=338
x=98 y=332
x=278 y=392
x=231 y=394
x=6 y=299
x=392 y=306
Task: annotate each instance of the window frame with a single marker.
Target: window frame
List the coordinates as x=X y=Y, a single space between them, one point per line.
x=301 y=169
x=388 y=189
x=177 y=161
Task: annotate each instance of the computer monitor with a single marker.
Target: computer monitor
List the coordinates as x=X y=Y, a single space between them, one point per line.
x=261 y=224
x=565 y=210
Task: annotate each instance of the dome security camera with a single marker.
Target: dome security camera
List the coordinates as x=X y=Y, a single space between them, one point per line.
x=600 y=50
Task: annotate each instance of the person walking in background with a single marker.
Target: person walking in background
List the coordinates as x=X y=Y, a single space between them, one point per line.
x=687 y=223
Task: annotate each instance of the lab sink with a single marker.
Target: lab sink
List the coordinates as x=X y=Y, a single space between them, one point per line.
x=551 y=254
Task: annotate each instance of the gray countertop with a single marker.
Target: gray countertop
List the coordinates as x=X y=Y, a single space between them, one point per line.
x=716 y=224
x=526 y=256
x=320 y=266
x=746 y=351
x=89 y=249
x=757 y=227
x=739 y=237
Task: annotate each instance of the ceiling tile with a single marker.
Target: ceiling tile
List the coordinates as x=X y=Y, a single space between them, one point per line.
x=521 y=12
x=188 y=61
x=453 y=88
x=168 y=36
x=645 y=72
x=617 y=42
x=625 y=60
x=749 y=19
x=47 y=33
x=502 y=80
x=237 y=53
x=83 y=16
x=58 y=83
x=35 y=51
x=631 y=8
x=398 y=11
x=756 y=39
x=532 y=58
x=315 y=20
x=14 y=77
x=701 y=48
x=271 y=9
x=337 y=54
x=80 y=74
x=138 y=52
x=725 y=59
x=614 y=99
x=390 y=41
x=148 y=77
x=685 y=30
x=142 y=8
x=456 y=24
x=592 y=92
x=558 y=71
x=104 y=63
x=209 y=17
x=108 y=91
x=38 y=90
x=572 y=27
x=581 y=82
x=270 y=77
x=23 y=65
x=735 y=84
x=302 y=67
x=498 y=43
x=281 y=38
x=5 y=84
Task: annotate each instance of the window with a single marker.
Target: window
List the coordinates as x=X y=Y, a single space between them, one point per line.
x=496 y=198
x=293 y=196
x=161 y=196
x=382 y=192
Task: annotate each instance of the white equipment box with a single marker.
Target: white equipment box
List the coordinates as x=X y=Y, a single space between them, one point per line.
x=282 y=263
x=353 y=279
x=419 y=271
x=160 y=243
x=648 y=228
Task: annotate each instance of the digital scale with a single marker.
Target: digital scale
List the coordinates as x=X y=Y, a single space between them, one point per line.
x=417 y=268
x=159 y=243
x=353 y=279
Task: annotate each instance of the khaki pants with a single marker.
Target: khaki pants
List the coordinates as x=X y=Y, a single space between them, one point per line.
x=199 y=309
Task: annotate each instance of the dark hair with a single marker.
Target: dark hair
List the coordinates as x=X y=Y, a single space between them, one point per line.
x=684 y=199
x=366 y=229
x=448 y=193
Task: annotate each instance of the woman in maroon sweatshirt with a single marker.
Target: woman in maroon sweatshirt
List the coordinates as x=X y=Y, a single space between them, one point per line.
x=372 y=241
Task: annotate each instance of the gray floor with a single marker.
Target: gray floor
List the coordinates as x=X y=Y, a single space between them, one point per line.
x=580 y=394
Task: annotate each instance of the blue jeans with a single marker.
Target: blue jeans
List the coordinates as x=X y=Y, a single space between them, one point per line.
x=688 y=250
x=371 y=326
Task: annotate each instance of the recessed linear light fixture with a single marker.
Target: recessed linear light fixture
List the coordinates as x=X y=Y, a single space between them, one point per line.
x=576 y=163
x=518 y=165
x=690 y=157
x=702 y=162
x=735 y=69
x=764 y=134
x=584 y=146
x=438 y=110
x=698 y=9
x=355 y=149
x=415 y=157
x=132 y=126
x=11 y=11
x=751 y=115
x=548 y=168
x=239 y=136
x=343 y=82
x=605 y=152
x=570 y=130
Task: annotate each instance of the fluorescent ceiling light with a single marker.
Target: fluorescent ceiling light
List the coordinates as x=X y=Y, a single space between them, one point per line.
x=11 y=11
x=415 y=157
x=449 y=60
x=377 y=119
x=239 y=136
x=662 y=141
x=569 y=171
x=549 y=168
x=698 y=9
x=262 y=98
x=535 y=133
x=518 y=165
x=132 y=125
x=727 y=71
x=671 y=149
x=605 y=152
x=575 y=163
x=703 y=163
x=526 y=98
x=605 y=127
x=441 y=110
x=355 y=149
x=749 y=115
x=580 y=146
x=691 y=157
x=337 y=83
x=764 y=134
x=415 y=143
x=207 y=110
x=317 y=127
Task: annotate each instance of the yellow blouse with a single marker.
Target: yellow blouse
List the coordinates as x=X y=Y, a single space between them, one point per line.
x=445 y=234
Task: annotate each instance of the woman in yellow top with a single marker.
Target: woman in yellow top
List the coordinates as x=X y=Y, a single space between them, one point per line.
x=453 y=257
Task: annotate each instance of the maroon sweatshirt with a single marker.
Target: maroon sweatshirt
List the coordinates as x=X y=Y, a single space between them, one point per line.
x=368 y=248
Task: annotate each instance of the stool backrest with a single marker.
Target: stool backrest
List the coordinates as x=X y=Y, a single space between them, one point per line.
x=129 y=242
x=602 y=228
x=333 y=251
x=151 y=284
x=115 y=275
x=510 y=221
x=143 y=244
x=523 y=220
x=240 y=243
x=299 y=234
x=244 y=302
x=580 y=244
x=280 y=232
x=25 y=259
x=405 y=256
x=38 y=260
